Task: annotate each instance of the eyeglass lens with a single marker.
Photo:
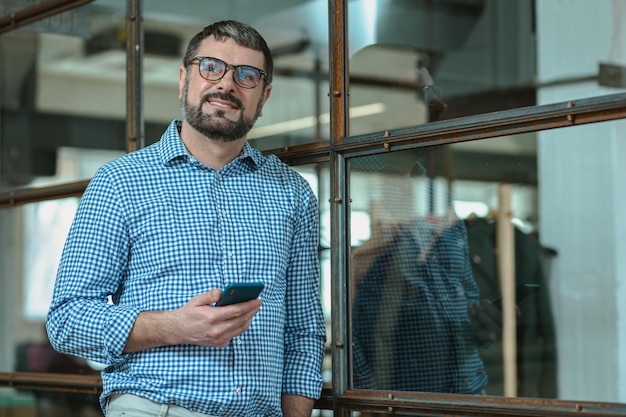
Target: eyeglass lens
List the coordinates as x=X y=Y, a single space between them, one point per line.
x=245 y=76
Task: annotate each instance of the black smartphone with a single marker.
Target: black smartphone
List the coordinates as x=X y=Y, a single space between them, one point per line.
x=240 y=292
x=522 y=291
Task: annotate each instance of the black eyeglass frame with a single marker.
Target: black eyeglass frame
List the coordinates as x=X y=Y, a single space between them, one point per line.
x=199 y=59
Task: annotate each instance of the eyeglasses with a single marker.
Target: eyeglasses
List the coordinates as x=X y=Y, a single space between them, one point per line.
x=213 y=69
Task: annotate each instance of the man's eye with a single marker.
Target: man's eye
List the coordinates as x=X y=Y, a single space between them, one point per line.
x=247 y=75
x=211 y=66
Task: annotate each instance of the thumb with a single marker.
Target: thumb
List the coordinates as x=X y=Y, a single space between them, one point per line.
x=209 y=297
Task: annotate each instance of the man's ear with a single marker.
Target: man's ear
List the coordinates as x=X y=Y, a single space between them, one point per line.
x=182 y=76
x=266 y=95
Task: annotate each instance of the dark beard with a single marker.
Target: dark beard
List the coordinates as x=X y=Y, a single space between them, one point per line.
x=217 y=127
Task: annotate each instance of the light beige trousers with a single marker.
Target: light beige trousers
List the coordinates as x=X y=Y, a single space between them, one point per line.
x=128 y=405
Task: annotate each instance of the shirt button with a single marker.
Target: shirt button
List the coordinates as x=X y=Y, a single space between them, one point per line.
x=230 y=254
x=225 y=212
x=238 y=390
x=239 y=341
x=476 y=259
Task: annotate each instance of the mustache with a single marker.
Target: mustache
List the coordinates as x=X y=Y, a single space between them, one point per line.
x=223 y=96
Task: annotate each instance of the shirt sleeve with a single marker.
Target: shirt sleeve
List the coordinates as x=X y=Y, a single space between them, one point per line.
x=305 y=329
x=81 y=320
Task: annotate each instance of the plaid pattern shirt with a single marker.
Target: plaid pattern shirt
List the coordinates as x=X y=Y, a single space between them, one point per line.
x=411 y=330
x=157 y=227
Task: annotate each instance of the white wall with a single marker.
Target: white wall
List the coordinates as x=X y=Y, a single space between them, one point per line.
x=582 y=194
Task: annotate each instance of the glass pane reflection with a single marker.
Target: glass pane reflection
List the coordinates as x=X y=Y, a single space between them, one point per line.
x=65 y=80
x=430 y=257
x=425 y=61
x=64 y=106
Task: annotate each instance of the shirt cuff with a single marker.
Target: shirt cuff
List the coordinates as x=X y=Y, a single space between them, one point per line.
x=117 y=329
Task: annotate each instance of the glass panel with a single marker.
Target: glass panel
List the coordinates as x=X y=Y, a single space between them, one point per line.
x=412 y=281
x=63 y=107
x=425 y=250
x=66 y=82
x=423 y=61
x=49 y=404
x=296 y=32
x=318 y=177
x=64 y=104
x=32 y=238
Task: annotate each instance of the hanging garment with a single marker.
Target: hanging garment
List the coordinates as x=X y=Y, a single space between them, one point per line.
x=536 y=338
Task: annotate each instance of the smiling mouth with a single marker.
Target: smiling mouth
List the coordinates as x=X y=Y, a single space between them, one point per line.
x=222 y=105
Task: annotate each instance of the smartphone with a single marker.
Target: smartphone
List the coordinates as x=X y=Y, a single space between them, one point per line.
x=240 y=292
x=522 y=291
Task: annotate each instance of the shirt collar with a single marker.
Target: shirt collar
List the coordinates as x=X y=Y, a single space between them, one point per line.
x=171 y=147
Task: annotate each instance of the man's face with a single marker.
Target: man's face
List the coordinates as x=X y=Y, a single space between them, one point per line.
x=221 y=110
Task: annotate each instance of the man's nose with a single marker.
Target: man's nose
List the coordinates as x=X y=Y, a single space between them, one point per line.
x=227 y=82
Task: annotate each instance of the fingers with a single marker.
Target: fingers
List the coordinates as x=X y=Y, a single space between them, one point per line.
x=204 y=324
x=208 y=298
x=493 y=312
x=486 y=320
x=246 y=310
x=231 y=321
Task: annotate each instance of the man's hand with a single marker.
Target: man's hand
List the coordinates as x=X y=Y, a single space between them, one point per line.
x=486 y=320
x=197 y=323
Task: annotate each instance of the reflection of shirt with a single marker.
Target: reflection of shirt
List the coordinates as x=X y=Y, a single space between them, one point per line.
x=157 y=227
x=410 y=322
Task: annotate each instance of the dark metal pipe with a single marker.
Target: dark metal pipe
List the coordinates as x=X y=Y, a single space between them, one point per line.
x=339 y=119
x=33 y=195
x=37 y=12
x=135 y=128
x=52 y=382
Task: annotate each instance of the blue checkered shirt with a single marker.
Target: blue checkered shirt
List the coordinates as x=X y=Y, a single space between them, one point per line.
x=155 y=228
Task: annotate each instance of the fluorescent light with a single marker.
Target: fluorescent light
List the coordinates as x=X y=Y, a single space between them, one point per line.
x=306 y=122
x=464 y=209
